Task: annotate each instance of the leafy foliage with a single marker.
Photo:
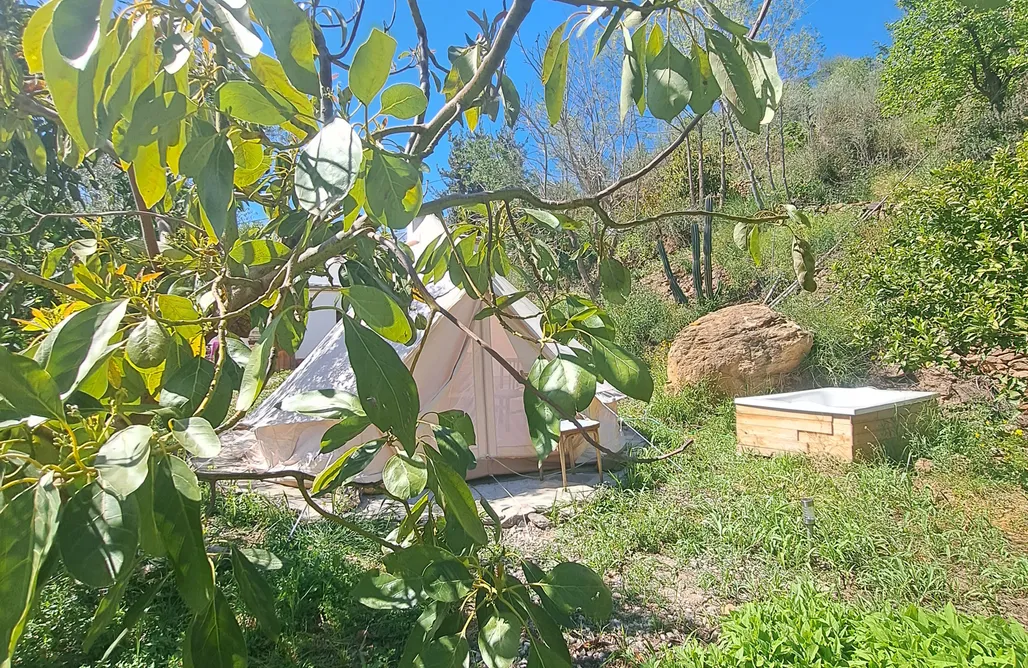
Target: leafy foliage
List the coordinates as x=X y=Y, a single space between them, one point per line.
x=947 y=51
x=949 y=278
x=806 y=628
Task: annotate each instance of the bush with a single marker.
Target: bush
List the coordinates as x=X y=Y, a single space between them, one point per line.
x=646 y=320
x=951 y=277
x=807 y=628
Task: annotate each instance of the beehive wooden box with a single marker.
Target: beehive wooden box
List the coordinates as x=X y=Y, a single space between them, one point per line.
x=849 y=424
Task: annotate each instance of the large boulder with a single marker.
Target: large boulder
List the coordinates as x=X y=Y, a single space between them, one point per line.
x=744 y=349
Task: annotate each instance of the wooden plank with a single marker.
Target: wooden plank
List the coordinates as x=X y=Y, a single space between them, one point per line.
x=767 y=432
x=773 y=443
x=812 y=423
x=825 y=440
x=794 y=415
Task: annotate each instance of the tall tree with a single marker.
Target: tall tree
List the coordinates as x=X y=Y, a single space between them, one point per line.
x=947 y=51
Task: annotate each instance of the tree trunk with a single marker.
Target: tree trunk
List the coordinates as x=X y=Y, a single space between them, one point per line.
x=754 y=185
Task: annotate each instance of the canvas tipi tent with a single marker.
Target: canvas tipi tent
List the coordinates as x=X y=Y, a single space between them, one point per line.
x=452 y=372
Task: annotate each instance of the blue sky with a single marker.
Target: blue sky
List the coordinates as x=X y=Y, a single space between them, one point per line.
x=847 y=28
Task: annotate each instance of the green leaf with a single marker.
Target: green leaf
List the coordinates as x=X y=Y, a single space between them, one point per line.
x=385 y=387
x=262 y=559
x=328 y=167
x=197 y=436
x=733 y=76
x=615 y=280
x=633 y=79
x=608 y=31
x=723 y=22
x=207 y=159
x=255 y=374
x=186 y=385
x=97 y=536
x=149 y=538
x=148 y=345
x=349 y=427
x=446 y=652
x=380 y=312
x=152 y=115
x=73 y=350
x=72 y=93
x=32 y=37
x=34 y=149
x=384 y=591
x=803 y=264
x=548 y=645
x=134 y=71
x=447 y=580
x=347 y=467
x=28 y=388
x=52 y=259
x=499 y=636
x=369 y=69
x=705 y=89
x=290 y=33
x=455 y=497
x=28 y=525
x=668 y=88
x=256 y=593
x=257 y=252
x=403 y=100
x=763 y=69
x=122 y=460
x=177 y=515
x=271 y=73
x=574 y=586
x=543 y=419
x=458 y=421
x=215 y=639
x=252 y=103
x=622 y=369
x=325 y=404
x=555 y=79
x=393 y=189
x=511 y=101
x=77 y=26
x=405 y=477
x=252 y=162
x=454 y=449
x=176 y=307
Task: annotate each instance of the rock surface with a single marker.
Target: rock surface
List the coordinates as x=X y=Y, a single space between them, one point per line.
x=743 y=349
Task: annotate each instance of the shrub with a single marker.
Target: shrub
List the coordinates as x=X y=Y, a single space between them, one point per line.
x=807 y=629
x=952 y=275
x=645 y=319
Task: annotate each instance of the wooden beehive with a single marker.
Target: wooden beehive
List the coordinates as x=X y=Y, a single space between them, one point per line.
x=845 y=437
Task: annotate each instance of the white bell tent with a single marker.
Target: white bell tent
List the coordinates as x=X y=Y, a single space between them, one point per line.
x=452 y=372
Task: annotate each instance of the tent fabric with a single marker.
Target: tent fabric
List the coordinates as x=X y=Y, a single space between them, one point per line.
x=451 y=372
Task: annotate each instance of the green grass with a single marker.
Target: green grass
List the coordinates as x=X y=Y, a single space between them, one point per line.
x=881 y=536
